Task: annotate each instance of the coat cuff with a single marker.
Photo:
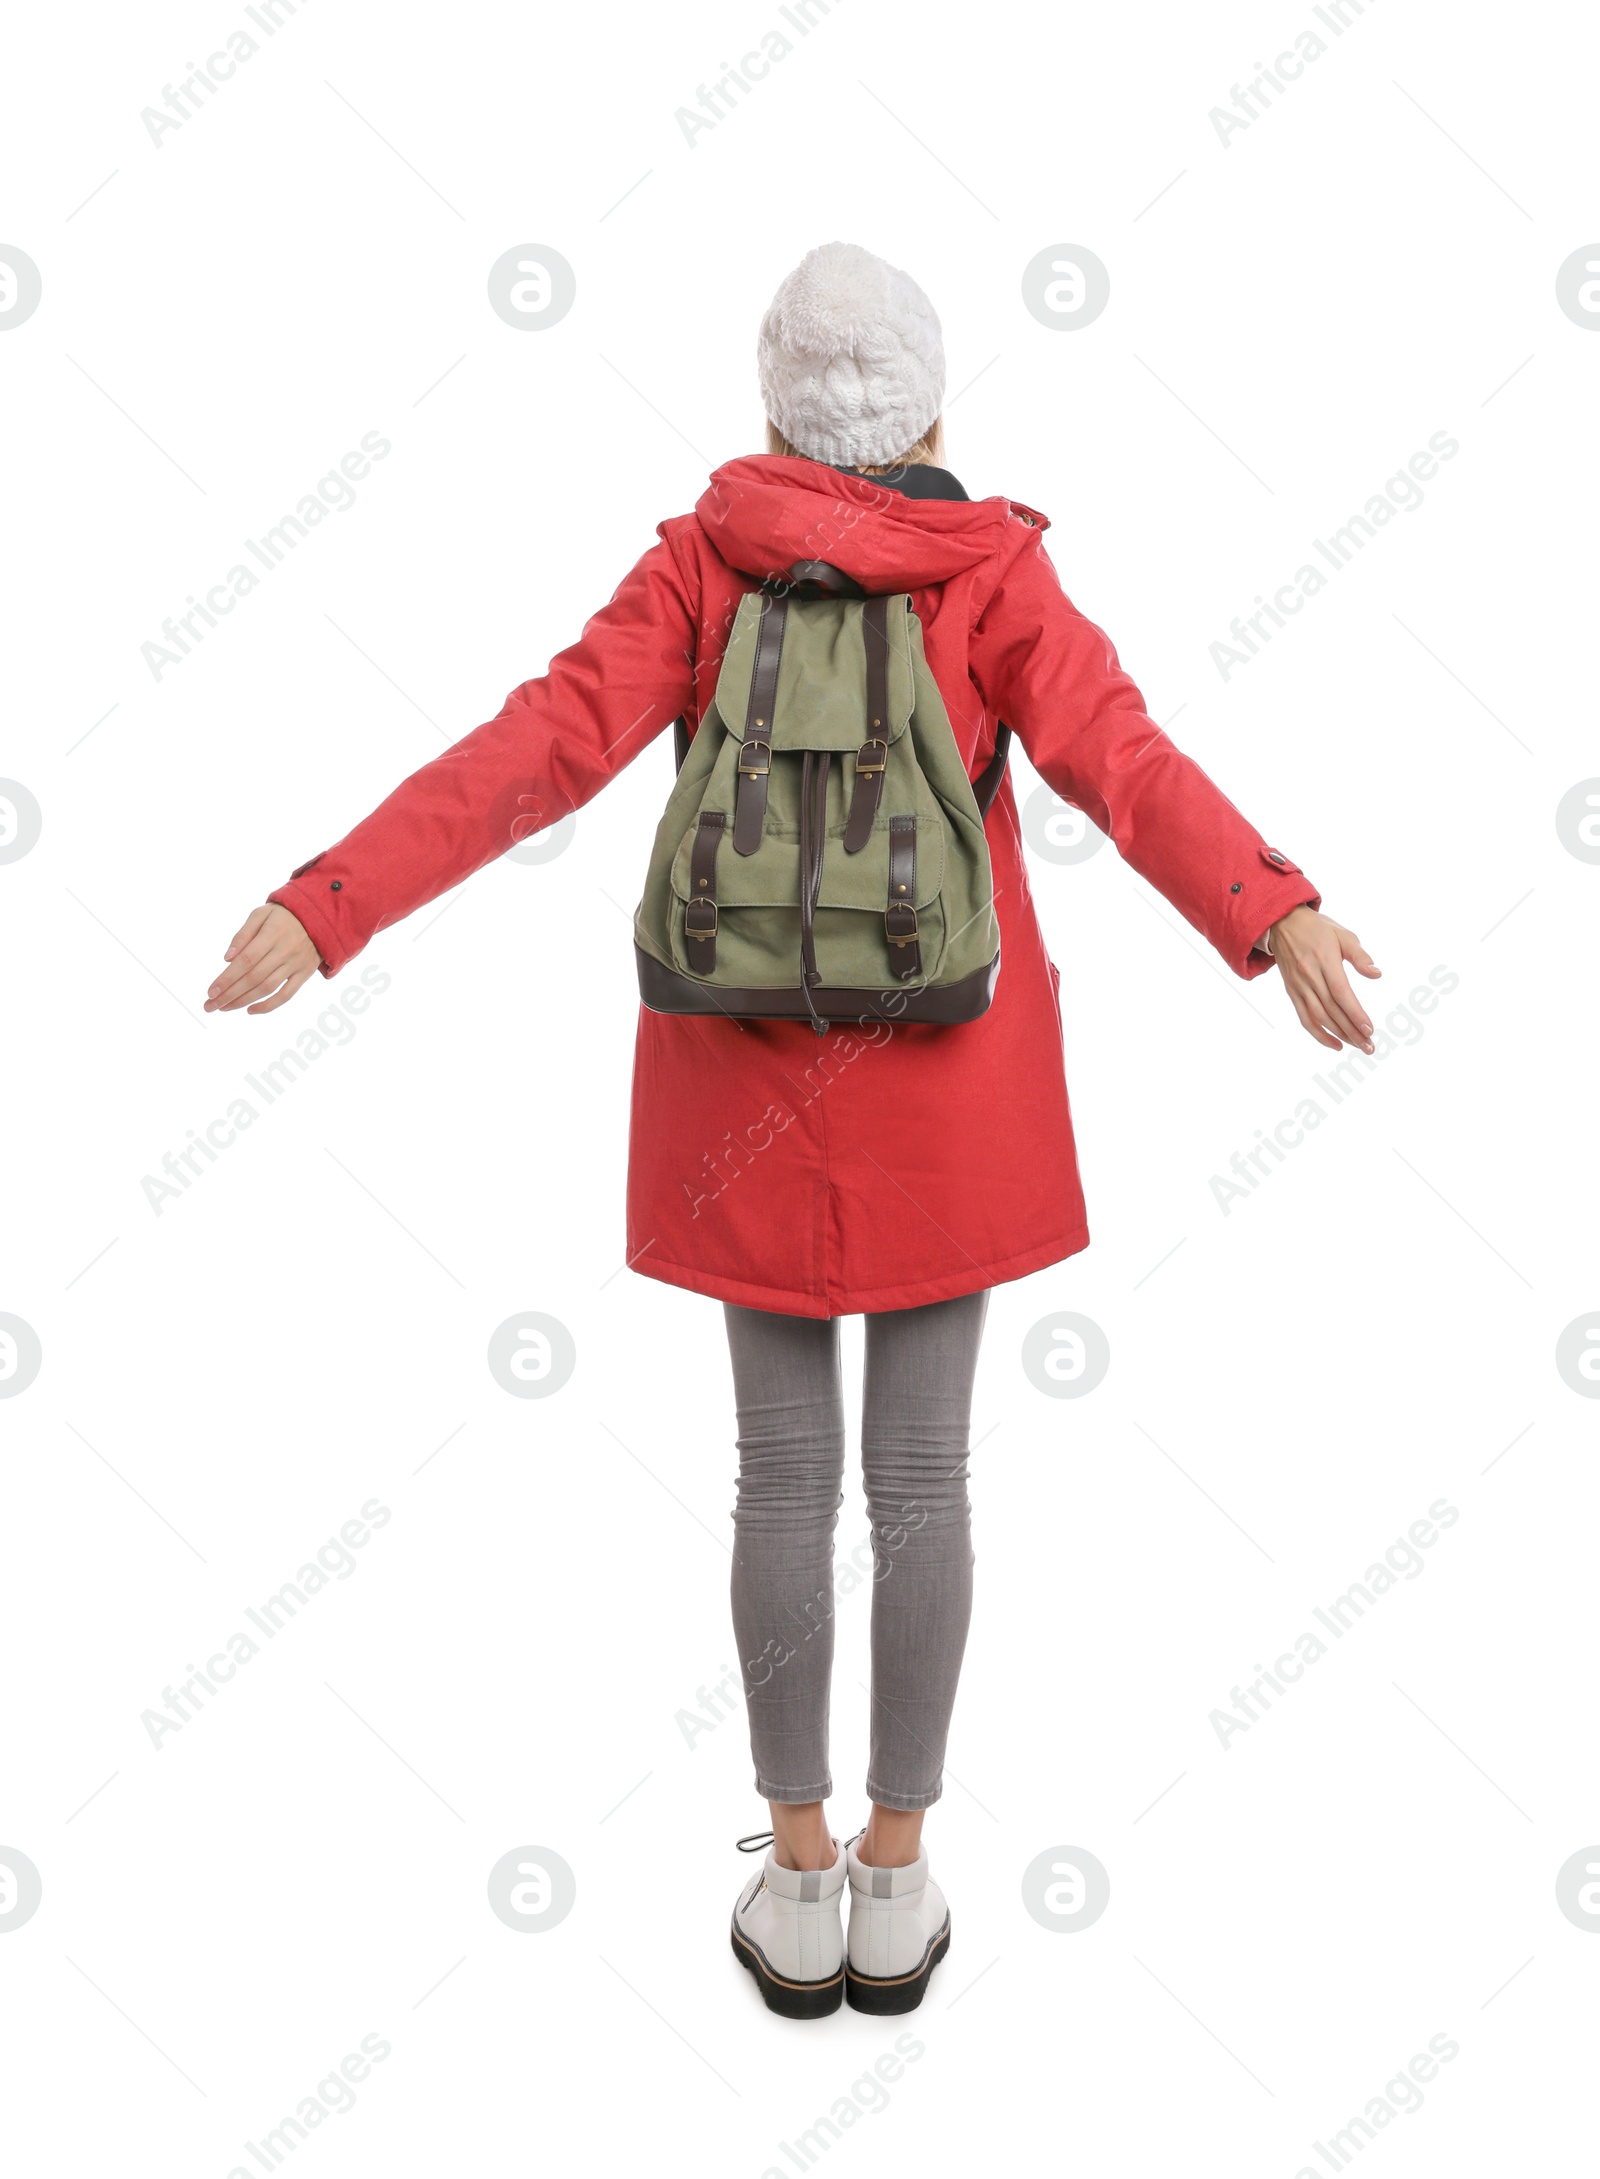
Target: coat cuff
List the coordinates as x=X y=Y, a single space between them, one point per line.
x=1256 y=900
x=304 y=903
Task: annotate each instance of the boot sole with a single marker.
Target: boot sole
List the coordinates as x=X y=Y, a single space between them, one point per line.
x=896 y=1993
x=794 y=2000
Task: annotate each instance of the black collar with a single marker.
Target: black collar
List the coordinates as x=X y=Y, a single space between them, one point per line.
x=916 y=480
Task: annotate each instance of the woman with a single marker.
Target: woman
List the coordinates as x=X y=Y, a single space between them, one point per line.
x=893 y=1170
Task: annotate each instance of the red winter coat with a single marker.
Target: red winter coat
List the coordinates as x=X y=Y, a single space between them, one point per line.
x=871 y=1168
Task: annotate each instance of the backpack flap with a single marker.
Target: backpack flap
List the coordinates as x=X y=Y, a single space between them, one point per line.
x=821 y=691
x=829 y=675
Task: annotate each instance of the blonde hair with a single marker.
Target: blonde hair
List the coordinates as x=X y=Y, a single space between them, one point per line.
x=928 y=450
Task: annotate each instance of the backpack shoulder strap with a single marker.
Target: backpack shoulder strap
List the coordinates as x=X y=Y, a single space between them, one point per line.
x=987 y=785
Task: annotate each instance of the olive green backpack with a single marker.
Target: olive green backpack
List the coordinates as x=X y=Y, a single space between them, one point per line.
x=822 y=853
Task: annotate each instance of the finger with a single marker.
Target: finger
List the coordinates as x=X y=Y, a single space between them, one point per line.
x=255 y=983
x=282 y=997
x=257 y=988
x=1340 y=995
x=248 y=929
x=252 y=963
x=1352 y=949
x=1331 y=1015
x=245 y=963
x=1308 y=1022
x=1314 y=1011
x=248 y=984
x=1338 y=1005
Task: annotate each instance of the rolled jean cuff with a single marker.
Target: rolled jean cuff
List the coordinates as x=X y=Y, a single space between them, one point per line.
x=793 y=1796
x=908 y=1802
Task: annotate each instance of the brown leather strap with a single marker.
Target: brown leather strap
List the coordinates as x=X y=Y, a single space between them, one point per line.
x=700 y=910
x=755 y=752
x=866 y=794
x=873 y=755
x=900 y=917
x=820 y=579
x=813 y=840
x=750 y=796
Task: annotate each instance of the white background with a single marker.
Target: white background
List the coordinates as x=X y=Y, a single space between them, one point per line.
x=225 y=1383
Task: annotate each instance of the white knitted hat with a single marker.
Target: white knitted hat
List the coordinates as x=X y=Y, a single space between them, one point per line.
x=851 y=358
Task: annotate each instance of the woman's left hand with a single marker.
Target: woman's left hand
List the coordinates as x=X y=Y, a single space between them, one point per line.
x=1311 y=950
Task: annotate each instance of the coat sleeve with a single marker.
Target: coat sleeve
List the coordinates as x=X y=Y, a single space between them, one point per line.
x=555 y=743
x=1055 y=680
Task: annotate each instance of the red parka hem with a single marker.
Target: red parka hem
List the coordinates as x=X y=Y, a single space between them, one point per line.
x=874 y=1301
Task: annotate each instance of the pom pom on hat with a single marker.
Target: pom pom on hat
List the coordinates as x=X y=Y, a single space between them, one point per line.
x=851 y=358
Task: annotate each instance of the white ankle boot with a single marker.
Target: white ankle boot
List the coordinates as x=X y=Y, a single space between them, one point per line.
x=899 y=1932
x=786 y=1930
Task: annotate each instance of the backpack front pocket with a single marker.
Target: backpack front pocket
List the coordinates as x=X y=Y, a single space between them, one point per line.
x=758 y=920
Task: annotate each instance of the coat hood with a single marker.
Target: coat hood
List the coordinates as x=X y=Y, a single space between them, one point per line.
x=765 y=511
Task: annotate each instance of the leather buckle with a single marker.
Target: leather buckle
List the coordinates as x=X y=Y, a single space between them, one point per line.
x=754 y=770
x=700 y=909
x=867 y=764
x=900 y=923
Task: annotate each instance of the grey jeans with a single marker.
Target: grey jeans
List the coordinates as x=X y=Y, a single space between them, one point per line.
x=916 y=1414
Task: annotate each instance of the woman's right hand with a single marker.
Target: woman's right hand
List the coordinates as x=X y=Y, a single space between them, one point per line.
x=269 y=959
